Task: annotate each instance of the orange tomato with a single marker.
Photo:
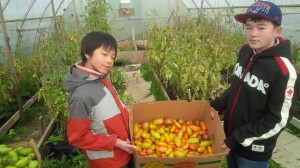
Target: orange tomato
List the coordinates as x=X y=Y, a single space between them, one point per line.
x=194 y=146
x=162 y=149
x=209 y=150
x=161 y=144
x=177 y=124
x=141 y=153
x=185 y=146
x=202 y=132
x=189 y=122
x=203 y=125
x=172 y=129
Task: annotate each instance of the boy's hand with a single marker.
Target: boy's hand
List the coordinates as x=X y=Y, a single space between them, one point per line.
x=125 y=145
x=212 y=115
x=224 y=146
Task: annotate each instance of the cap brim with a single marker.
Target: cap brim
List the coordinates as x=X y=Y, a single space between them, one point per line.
x=243 y=17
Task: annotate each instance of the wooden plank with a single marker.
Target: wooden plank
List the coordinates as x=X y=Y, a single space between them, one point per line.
x=295 y=122
x=48 y=130
x=161 y=86
x=42 y=129
x=4 y=129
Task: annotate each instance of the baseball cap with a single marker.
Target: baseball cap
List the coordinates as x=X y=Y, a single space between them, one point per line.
x=261 y=9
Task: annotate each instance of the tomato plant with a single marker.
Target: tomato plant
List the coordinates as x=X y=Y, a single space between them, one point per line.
x=193 y=60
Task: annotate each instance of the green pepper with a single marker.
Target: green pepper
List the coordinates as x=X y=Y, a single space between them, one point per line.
x=22 y=162
x=13 y=155
x=4 y=151
x=25 y=151
x=33 y=164
x=31 y=156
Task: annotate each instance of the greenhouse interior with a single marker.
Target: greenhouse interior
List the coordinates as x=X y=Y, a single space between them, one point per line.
x=184 y=52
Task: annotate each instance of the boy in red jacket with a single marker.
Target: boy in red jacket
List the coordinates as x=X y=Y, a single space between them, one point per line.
x=97 y=121
x=264 y=90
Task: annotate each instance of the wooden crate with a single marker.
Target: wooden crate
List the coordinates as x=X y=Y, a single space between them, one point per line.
x=30 y=144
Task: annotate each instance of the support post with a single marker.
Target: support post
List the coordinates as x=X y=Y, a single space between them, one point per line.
x=11 y=62
x=54 y=18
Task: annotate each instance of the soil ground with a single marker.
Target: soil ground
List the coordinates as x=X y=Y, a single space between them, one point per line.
x=138 y=88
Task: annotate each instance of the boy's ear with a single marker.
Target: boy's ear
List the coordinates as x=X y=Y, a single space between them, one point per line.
x=87 y=56
x=278 y=31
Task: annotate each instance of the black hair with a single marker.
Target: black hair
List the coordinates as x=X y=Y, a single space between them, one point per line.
x=261 y=19
x=94 y=40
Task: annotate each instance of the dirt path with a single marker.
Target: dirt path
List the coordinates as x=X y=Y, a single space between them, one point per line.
x=138 y=88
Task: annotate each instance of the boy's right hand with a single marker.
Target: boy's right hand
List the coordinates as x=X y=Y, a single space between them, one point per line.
x=224 y=146
x=125 y=145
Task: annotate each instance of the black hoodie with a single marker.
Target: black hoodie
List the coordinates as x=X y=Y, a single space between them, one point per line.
x=259 y=102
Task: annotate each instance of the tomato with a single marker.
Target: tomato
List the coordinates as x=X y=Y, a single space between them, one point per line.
x=177 y=141
x=180 y=134
x=169 y=151
x=141 y=153
x=205 y=143
x=149 y=151
x=177 y=124
x=145 y=145
x=137 y=136
x=167 y=137
x=152 y=126
x=138 y=148
x=179 y=154
x=145 y=126
x=205 y=137
x=161 y=144
x=155 y=134
x=158 y=121
x=201 y=149
x=203 y=125
x=193 y=140
x=162 y=149
x=168 y=121
x=136 y=128
x=196 y=122
x=194 y=146
x=209 y=150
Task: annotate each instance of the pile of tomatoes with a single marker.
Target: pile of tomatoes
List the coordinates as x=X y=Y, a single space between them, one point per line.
x=169 y=138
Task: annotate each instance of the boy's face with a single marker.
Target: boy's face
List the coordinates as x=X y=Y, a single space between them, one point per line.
x=102 y=60
x=261 y=35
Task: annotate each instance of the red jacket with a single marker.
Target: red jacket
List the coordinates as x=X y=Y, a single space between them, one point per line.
x=96 y=118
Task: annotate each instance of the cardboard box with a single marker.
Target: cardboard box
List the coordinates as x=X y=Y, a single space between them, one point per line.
x=32 y=145
x=188 y=111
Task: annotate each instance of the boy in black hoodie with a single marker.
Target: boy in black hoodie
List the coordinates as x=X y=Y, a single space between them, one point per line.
x=259 y=102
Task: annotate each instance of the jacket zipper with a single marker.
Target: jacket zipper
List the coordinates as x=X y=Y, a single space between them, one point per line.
x=238 y=92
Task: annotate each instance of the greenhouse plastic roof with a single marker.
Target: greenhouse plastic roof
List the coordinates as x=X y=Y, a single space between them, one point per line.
x=26 y=12
x=26 y=17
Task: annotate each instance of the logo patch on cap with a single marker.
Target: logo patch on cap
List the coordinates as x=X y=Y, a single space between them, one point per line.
x=259 y=6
